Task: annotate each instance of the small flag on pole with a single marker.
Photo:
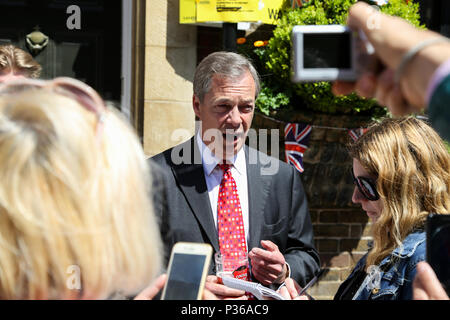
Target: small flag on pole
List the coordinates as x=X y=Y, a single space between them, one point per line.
x=355 y=134
x=296 y=140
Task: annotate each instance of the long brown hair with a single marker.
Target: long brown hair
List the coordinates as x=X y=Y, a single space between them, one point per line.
x=412 y=166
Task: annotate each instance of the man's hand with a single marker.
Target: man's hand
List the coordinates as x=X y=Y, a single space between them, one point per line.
x=220 y=291
x=392 y=38
x=268 y=266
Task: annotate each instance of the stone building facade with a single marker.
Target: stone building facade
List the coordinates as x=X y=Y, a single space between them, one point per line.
x=169 y=64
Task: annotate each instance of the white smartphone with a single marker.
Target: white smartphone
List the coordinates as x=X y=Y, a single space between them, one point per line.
x=187 y=271
x=323 y=53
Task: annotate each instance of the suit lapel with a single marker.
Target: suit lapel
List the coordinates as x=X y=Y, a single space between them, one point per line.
x=191 y=179
x=193 y=185
x=258 y=190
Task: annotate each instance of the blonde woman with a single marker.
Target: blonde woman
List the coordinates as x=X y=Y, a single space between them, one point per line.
x=75 y=216
x=401 y=170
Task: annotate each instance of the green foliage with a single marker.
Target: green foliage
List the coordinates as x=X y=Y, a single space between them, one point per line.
x=447 y=144
x=408 y=12
x=274 y=61
x=270 y=99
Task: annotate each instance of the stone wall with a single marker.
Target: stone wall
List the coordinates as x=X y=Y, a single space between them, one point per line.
x=341 y=229
x=170 y=62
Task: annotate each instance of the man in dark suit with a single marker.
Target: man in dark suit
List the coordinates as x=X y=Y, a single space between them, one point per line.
x=271 y=203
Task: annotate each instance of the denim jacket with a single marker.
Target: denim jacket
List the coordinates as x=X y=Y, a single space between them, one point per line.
x=397 y=270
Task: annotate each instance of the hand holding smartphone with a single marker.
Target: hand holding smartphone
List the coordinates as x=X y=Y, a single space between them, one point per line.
x=187 y=271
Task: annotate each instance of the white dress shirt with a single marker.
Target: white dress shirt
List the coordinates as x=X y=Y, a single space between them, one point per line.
x=213 y=177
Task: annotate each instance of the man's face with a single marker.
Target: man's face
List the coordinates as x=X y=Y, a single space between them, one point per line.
x=226 y=113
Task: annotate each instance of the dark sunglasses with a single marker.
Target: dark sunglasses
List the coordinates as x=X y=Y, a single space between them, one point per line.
x=366 y=187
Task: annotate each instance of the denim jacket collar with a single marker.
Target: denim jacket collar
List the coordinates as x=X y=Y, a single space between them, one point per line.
x=409 y=245
x=407 y=248
x=396 y=269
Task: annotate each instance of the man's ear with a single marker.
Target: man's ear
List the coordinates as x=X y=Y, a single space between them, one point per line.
x=196 y=105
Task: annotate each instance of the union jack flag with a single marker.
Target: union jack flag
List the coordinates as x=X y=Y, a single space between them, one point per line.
x=296 y=140
x=355 y=134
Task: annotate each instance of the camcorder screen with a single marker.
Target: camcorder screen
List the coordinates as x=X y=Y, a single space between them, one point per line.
x=185 y=276
x=327 y=50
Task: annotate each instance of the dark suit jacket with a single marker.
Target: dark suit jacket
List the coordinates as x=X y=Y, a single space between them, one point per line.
x=278 y=209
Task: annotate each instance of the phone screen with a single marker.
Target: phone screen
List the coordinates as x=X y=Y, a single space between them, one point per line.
x=184 y=277
x=327 y=50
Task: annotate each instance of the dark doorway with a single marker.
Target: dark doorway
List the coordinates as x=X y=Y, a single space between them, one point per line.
x=91 y=54
x=435 y=15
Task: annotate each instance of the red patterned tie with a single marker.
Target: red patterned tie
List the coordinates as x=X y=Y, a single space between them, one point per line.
x=230 y=224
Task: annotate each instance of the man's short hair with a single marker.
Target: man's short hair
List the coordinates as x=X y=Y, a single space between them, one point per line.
x=19 y=61
x=225 y=64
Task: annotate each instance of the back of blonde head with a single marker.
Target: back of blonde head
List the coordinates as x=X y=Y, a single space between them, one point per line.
x=413 y=169
x=70 y=201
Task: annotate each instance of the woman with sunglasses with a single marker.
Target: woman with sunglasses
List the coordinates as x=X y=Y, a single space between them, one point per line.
x=76 y=220
x=401 y=170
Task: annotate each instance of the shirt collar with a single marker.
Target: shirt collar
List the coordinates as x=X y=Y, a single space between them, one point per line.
x=210 y=161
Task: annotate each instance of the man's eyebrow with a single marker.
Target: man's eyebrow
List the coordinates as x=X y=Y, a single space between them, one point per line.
x=248 y=101
x=223 y=100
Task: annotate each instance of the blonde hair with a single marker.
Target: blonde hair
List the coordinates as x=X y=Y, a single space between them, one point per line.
x=19 y=61
x=72 y=200
x=412 y=166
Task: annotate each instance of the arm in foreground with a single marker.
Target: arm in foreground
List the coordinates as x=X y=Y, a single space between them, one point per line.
x=390 y=47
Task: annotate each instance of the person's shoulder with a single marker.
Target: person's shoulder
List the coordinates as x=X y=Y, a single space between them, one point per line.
x=265 y=159
x=165 y=158
x=414 y=246
x=160 y=158
x=156 y=168
x=419 y=251
x=271 y=165
x=421 y=248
